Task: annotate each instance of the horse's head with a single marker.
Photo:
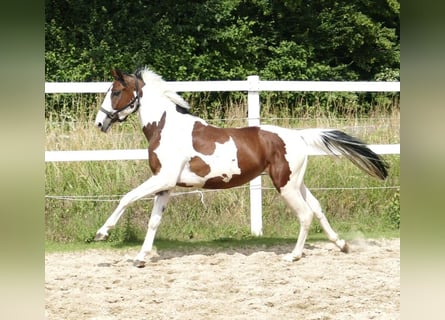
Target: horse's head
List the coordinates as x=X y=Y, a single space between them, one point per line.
x=121 y=100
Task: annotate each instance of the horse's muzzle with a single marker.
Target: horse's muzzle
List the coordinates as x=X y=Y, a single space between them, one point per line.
x=105 y=125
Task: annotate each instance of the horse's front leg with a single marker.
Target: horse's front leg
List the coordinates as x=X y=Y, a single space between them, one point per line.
x=153 y=185
x=159 y=205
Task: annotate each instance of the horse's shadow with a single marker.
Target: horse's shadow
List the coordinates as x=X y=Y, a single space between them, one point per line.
x=167 y=249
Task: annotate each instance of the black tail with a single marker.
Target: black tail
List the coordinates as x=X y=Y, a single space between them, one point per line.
x=338 y=142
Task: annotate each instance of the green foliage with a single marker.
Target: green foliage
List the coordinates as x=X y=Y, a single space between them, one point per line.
x=224 y=39
x=392 y=211
x=357 y=36
x=227 y=39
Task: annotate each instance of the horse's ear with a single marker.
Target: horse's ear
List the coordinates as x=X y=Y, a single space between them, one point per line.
x=118 y=75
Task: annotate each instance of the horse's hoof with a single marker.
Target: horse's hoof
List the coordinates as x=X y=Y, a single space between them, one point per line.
x=345 y=248
x=100 y=237
x=290 y=257
x=139 y=263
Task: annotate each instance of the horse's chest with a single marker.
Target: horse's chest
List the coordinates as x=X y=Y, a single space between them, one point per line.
x=152 y=132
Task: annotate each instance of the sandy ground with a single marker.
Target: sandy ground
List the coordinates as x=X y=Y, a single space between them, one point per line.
x=251 y=283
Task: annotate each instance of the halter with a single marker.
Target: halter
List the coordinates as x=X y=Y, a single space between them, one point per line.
x=135 y=102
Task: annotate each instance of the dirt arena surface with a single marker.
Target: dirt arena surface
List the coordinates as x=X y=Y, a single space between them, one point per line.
x=252 y=283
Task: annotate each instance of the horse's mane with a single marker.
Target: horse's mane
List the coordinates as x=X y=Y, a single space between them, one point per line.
x=154 y=80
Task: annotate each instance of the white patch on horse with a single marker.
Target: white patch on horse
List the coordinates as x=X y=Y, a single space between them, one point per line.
x=223 y=163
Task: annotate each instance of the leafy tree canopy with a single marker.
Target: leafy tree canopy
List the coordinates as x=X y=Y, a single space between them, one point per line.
x=224 y=39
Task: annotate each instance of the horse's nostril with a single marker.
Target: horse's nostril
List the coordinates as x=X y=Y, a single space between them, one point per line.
x=99 y=124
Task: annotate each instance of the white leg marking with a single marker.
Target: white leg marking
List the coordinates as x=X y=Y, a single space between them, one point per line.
x=331 y=234
x=297 y=203
x=153 y=185
x=159 y=206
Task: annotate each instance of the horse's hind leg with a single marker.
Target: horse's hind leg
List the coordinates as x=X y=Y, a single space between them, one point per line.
x=331 y=234
x=295 y=200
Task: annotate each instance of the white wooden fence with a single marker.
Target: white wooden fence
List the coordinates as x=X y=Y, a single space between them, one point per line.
x=253 y=86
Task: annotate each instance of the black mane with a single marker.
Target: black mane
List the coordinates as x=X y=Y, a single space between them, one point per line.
x=138 y=73
x=182 y=110
x=179 y=108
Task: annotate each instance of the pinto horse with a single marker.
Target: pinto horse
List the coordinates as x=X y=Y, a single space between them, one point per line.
x=184 y=150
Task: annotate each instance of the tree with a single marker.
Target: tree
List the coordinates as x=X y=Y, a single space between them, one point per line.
x=223 y=39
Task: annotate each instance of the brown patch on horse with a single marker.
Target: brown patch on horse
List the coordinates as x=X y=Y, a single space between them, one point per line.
x=205 y=138
x=278 y=166
x=220 y=183
x=199 y=167
x=185 y=185
x=152 y=132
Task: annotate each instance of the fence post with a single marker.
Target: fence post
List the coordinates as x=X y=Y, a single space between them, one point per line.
x=253 y=115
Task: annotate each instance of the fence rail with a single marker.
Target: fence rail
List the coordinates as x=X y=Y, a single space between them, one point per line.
x=253 y=86
x=249 y=85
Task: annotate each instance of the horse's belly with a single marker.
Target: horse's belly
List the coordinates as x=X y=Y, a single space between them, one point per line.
x=217 y=175
x=190 y=179
x=201 y=173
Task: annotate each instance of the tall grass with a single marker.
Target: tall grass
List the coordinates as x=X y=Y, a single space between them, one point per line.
x=81 y=195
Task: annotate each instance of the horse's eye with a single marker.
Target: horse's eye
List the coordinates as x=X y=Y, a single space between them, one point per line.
x=115 y=93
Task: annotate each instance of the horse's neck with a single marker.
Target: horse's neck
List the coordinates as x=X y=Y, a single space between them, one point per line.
x=151 y=111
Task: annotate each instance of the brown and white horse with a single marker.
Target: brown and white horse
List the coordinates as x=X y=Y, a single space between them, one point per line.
x=184 y=150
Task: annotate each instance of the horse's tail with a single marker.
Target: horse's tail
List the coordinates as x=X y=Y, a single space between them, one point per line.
x=336 y=142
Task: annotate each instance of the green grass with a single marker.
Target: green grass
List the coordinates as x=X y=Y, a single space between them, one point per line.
x=191 y=220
